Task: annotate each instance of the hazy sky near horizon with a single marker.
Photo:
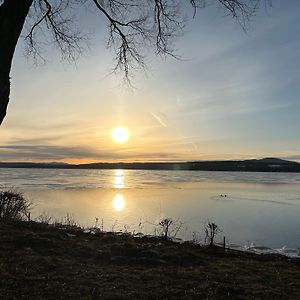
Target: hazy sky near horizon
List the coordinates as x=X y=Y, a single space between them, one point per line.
x=233 y=96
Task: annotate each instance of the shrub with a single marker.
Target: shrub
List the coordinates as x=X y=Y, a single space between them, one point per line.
x=211 y=231
x=13 y=206
x=168 y=228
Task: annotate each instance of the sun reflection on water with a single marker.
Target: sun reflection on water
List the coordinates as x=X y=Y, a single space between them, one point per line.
x=119 y=179
x=118 y=202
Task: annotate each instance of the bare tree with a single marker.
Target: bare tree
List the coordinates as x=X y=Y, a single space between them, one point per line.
x=133 y=27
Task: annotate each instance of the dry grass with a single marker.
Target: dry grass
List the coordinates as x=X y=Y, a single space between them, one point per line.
x=38 y=261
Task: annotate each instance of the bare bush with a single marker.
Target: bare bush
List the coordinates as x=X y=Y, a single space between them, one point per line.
x=13 y=206
x=169 y=228
x=211 y=231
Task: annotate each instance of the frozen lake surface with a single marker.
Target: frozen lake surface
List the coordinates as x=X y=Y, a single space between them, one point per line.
x=259 y=207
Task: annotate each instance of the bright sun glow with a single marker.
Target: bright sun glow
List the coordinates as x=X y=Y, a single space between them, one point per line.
x=120 y=135
x=118 y=202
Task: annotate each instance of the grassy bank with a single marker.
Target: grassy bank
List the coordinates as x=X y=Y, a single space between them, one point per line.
x=39 y=261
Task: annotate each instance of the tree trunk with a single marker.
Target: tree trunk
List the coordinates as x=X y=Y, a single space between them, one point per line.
x=12 y=17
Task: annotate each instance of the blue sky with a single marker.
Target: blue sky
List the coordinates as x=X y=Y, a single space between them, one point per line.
x=234 y=95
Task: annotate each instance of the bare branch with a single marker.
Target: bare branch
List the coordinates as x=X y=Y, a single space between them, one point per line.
x=134 y=26
x=56 y=19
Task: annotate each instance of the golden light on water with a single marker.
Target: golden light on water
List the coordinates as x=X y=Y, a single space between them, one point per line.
x=120 y=135
x=119 y=179
x=118 y=202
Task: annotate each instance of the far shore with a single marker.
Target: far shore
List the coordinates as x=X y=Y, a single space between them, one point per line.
x=251 y=165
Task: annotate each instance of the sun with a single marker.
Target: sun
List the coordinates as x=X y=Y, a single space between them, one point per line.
x=120 y=135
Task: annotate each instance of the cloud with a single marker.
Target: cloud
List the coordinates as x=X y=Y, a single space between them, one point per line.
x=57 y=153
x=292 y=157
x=160 y=118
x=35 y=140
x=46 y=152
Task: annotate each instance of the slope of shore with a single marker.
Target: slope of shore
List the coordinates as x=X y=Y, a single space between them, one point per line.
x=39 y=261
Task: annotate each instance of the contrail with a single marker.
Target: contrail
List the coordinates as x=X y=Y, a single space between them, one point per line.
x=159 y=119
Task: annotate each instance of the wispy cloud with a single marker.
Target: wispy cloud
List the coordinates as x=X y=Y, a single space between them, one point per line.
x=160 y=118
x=46 y=152
x=64 y=153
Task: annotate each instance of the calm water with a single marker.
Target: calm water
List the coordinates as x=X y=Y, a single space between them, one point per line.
x=259 y=207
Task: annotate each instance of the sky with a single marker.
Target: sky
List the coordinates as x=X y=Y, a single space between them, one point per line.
x=233 y=95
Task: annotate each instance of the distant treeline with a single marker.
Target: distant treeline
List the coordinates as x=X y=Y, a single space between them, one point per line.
x=253 y=165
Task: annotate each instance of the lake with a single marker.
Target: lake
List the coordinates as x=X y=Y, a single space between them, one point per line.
x=258 y=207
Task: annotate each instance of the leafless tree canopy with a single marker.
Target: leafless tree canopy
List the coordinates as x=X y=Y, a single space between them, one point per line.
x=134 y=26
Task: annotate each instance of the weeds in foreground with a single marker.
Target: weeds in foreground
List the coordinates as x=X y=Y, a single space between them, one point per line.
x=70 y=221
x=168 y=228
x=99 y=226
x=43 y=218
